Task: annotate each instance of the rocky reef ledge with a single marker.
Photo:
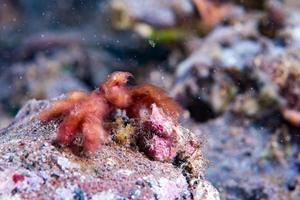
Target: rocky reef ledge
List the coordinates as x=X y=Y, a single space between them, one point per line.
x=31 y=167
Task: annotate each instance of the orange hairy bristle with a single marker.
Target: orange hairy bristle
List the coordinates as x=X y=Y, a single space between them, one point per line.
x=84 y=113
x=145 y=95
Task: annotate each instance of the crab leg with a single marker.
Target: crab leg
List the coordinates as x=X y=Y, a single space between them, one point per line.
x=62 y=106
x=93 y=133
x=69 y=126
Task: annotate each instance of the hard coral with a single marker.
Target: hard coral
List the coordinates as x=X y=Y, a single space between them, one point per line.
x=83 y=114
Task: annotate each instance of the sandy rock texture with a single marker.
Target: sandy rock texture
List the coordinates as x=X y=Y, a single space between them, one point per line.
x=31 y=167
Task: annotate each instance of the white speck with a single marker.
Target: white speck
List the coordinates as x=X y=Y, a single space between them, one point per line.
x=125 y=172
x=105 y=195
x=152 y=43
x=44 y=175
x=64 y=163
x=42 y=35
x=63 y=194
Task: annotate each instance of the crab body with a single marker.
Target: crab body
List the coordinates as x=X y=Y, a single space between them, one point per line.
x=83 y=114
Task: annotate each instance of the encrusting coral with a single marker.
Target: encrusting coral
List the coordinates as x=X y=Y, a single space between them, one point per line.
x=153 y=126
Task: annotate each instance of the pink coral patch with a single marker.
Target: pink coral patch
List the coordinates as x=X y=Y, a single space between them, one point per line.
x=17 y=178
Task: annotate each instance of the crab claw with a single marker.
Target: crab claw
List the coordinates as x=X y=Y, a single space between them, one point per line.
x=115 y=91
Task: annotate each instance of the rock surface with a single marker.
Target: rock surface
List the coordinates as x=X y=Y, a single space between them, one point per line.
x=250 y=161
x=32 y=168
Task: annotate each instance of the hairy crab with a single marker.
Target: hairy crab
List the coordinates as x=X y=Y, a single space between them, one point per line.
x=155 y=130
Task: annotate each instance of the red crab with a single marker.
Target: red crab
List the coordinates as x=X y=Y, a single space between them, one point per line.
x=84 y=113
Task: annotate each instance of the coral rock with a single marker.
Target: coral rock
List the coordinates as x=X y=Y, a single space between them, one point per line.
x=114 y=172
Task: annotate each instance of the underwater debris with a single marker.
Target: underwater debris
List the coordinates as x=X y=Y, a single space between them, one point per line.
x=272 y=22
x=259 y=5
x=212 y=12
x=283 y=74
